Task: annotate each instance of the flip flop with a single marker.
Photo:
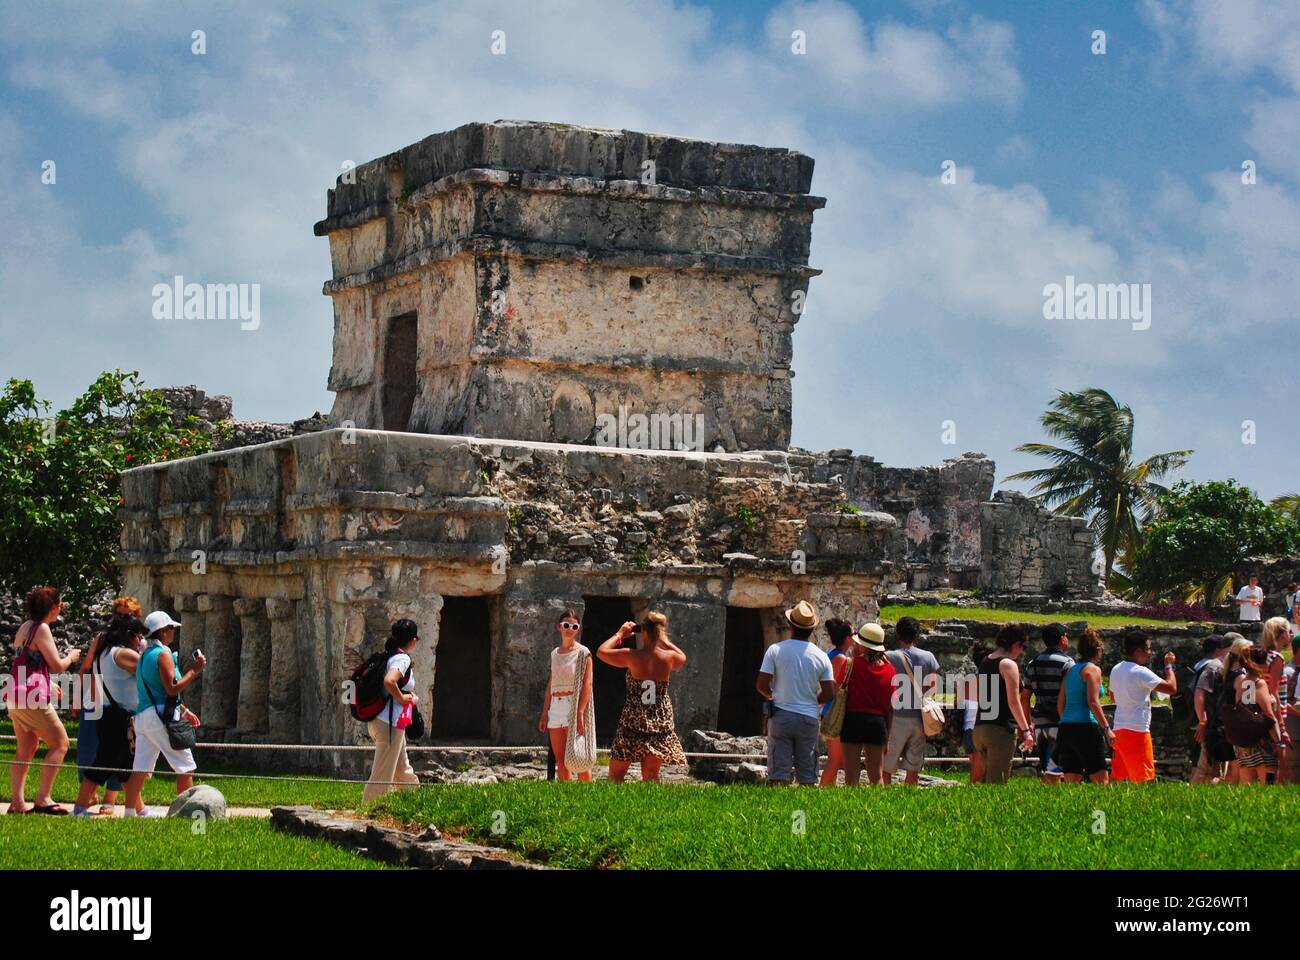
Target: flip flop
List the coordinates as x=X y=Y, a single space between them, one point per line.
x=105 y=810
x=18 y=812
x=53 y=810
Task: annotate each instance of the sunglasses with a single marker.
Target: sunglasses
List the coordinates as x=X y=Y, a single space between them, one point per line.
x=568 y=626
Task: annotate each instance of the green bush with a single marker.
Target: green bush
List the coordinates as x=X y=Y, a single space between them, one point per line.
x=59 y=485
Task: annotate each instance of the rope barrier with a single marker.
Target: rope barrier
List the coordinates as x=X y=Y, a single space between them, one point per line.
x=506 y=748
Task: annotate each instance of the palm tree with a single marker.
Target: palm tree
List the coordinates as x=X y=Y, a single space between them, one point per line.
x=1288 y=505
x=1093 y=474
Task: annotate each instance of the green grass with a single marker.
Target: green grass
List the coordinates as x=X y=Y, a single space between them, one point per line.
x=1022 y=825
x=891 y=613
x=67 y=843
x=161 y=790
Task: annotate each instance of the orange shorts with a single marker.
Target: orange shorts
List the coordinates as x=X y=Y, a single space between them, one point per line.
x=1134 y=759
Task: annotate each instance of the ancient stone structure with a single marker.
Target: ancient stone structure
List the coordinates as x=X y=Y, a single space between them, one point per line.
x=498 y=288
x=518 y=280
x=1027 y=550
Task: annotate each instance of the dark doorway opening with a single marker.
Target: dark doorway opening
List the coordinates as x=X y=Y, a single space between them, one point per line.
x=740 y=707
x=462 y=683
x=601 y=619
x=398 y=397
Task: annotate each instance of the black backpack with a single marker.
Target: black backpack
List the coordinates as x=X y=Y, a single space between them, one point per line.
x=368 y=694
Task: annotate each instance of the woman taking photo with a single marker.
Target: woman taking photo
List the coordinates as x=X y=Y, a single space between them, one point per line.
x=391 y=770
x=159 y=684
x=645 y=733
x=88 y=715
x=1001 y=714
x=30 y=702
x=869 y=706
x=114 y=669
x=1084 y=732
x=841 y=634
x=564 y=707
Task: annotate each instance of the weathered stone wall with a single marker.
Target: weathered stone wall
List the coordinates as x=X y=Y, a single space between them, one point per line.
x=549 y=287
x=1027 y=549
x=937 y=507
x=287 y=562
x=215 y=416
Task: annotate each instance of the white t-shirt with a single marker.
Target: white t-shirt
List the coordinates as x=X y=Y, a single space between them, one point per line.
x=1249 y=611
x=797 y=668
x=401 y=662
x=1131 y=685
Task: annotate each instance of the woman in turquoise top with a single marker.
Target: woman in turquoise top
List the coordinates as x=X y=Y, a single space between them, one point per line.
x=1084 y=732
x=159 y=684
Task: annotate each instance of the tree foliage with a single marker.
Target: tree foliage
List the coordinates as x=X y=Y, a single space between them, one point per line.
x=1202 y=531
x=59 y=484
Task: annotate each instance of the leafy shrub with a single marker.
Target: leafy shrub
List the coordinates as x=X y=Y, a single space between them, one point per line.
x=59 y=485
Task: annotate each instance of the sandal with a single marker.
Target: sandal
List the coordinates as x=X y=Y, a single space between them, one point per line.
x=53 y=810
x=22 y=811
x=105 y=810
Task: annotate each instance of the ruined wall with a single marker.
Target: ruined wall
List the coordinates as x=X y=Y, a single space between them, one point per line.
x=937 y=507
x=1029 y=550
x=551 y=283
x=287 y=562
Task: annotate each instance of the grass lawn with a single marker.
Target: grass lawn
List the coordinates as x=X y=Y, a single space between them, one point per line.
x=161 y=790
x=1022 y=825
x=891 y=613
x=68 y=843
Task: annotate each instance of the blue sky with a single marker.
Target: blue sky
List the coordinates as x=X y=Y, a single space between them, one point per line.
x=1117 y=168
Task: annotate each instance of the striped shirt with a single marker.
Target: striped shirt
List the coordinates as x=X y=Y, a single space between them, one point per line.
x=1043 y=677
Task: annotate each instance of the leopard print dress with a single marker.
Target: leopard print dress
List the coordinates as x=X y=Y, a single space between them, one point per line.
x=646 y=729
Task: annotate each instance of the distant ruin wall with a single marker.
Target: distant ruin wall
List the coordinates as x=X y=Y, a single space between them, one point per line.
x=1029 y=550
x=937 y=508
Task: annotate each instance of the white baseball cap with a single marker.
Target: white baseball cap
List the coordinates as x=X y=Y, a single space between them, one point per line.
x=157 y=620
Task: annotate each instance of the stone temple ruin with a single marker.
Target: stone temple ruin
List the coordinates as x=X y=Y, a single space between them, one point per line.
x=509 y=299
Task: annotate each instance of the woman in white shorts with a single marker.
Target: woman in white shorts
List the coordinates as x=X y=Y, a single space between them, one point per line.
x=563 y=688
x=159 y=683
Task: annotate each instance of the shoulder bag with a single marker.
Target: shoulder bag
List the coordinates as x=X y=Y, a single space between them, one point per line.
x=580 y=750
x=933 y=721
x=833 y=721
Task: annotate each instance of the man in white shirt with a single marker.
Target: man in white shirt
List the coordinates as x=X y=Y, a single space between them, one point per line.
x=1249 y=601
x=1131 y=684
x=796 y=677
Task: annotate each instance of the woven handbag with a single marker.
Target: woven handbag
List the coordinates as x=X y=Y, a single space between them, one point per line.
x=833 y=722
x=933 y=721
x=580 y=750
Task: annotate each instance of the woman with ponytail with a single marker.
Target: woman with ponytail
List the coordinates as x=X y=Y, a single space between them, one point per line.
x=391 y=770
x=646 y=732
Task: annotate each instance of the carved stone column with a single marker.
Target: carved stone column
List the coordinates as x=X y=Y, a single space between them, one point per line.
x=221 y=646
x=284 y=696
x=254 y=665
x=191 y=639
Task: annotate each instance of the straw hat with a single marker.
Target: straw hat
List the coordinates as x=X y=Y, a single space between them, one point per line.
x=871 y=636
x=802 y=615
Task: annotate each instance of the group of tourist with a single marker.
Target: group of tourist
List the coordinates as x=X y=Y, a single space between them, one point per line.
x=1054 y=707
x=129 y=712
x=873 y=709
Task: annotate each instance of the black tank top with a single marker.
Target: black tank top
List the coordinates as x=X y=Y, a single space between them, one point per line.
x=991 y=689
